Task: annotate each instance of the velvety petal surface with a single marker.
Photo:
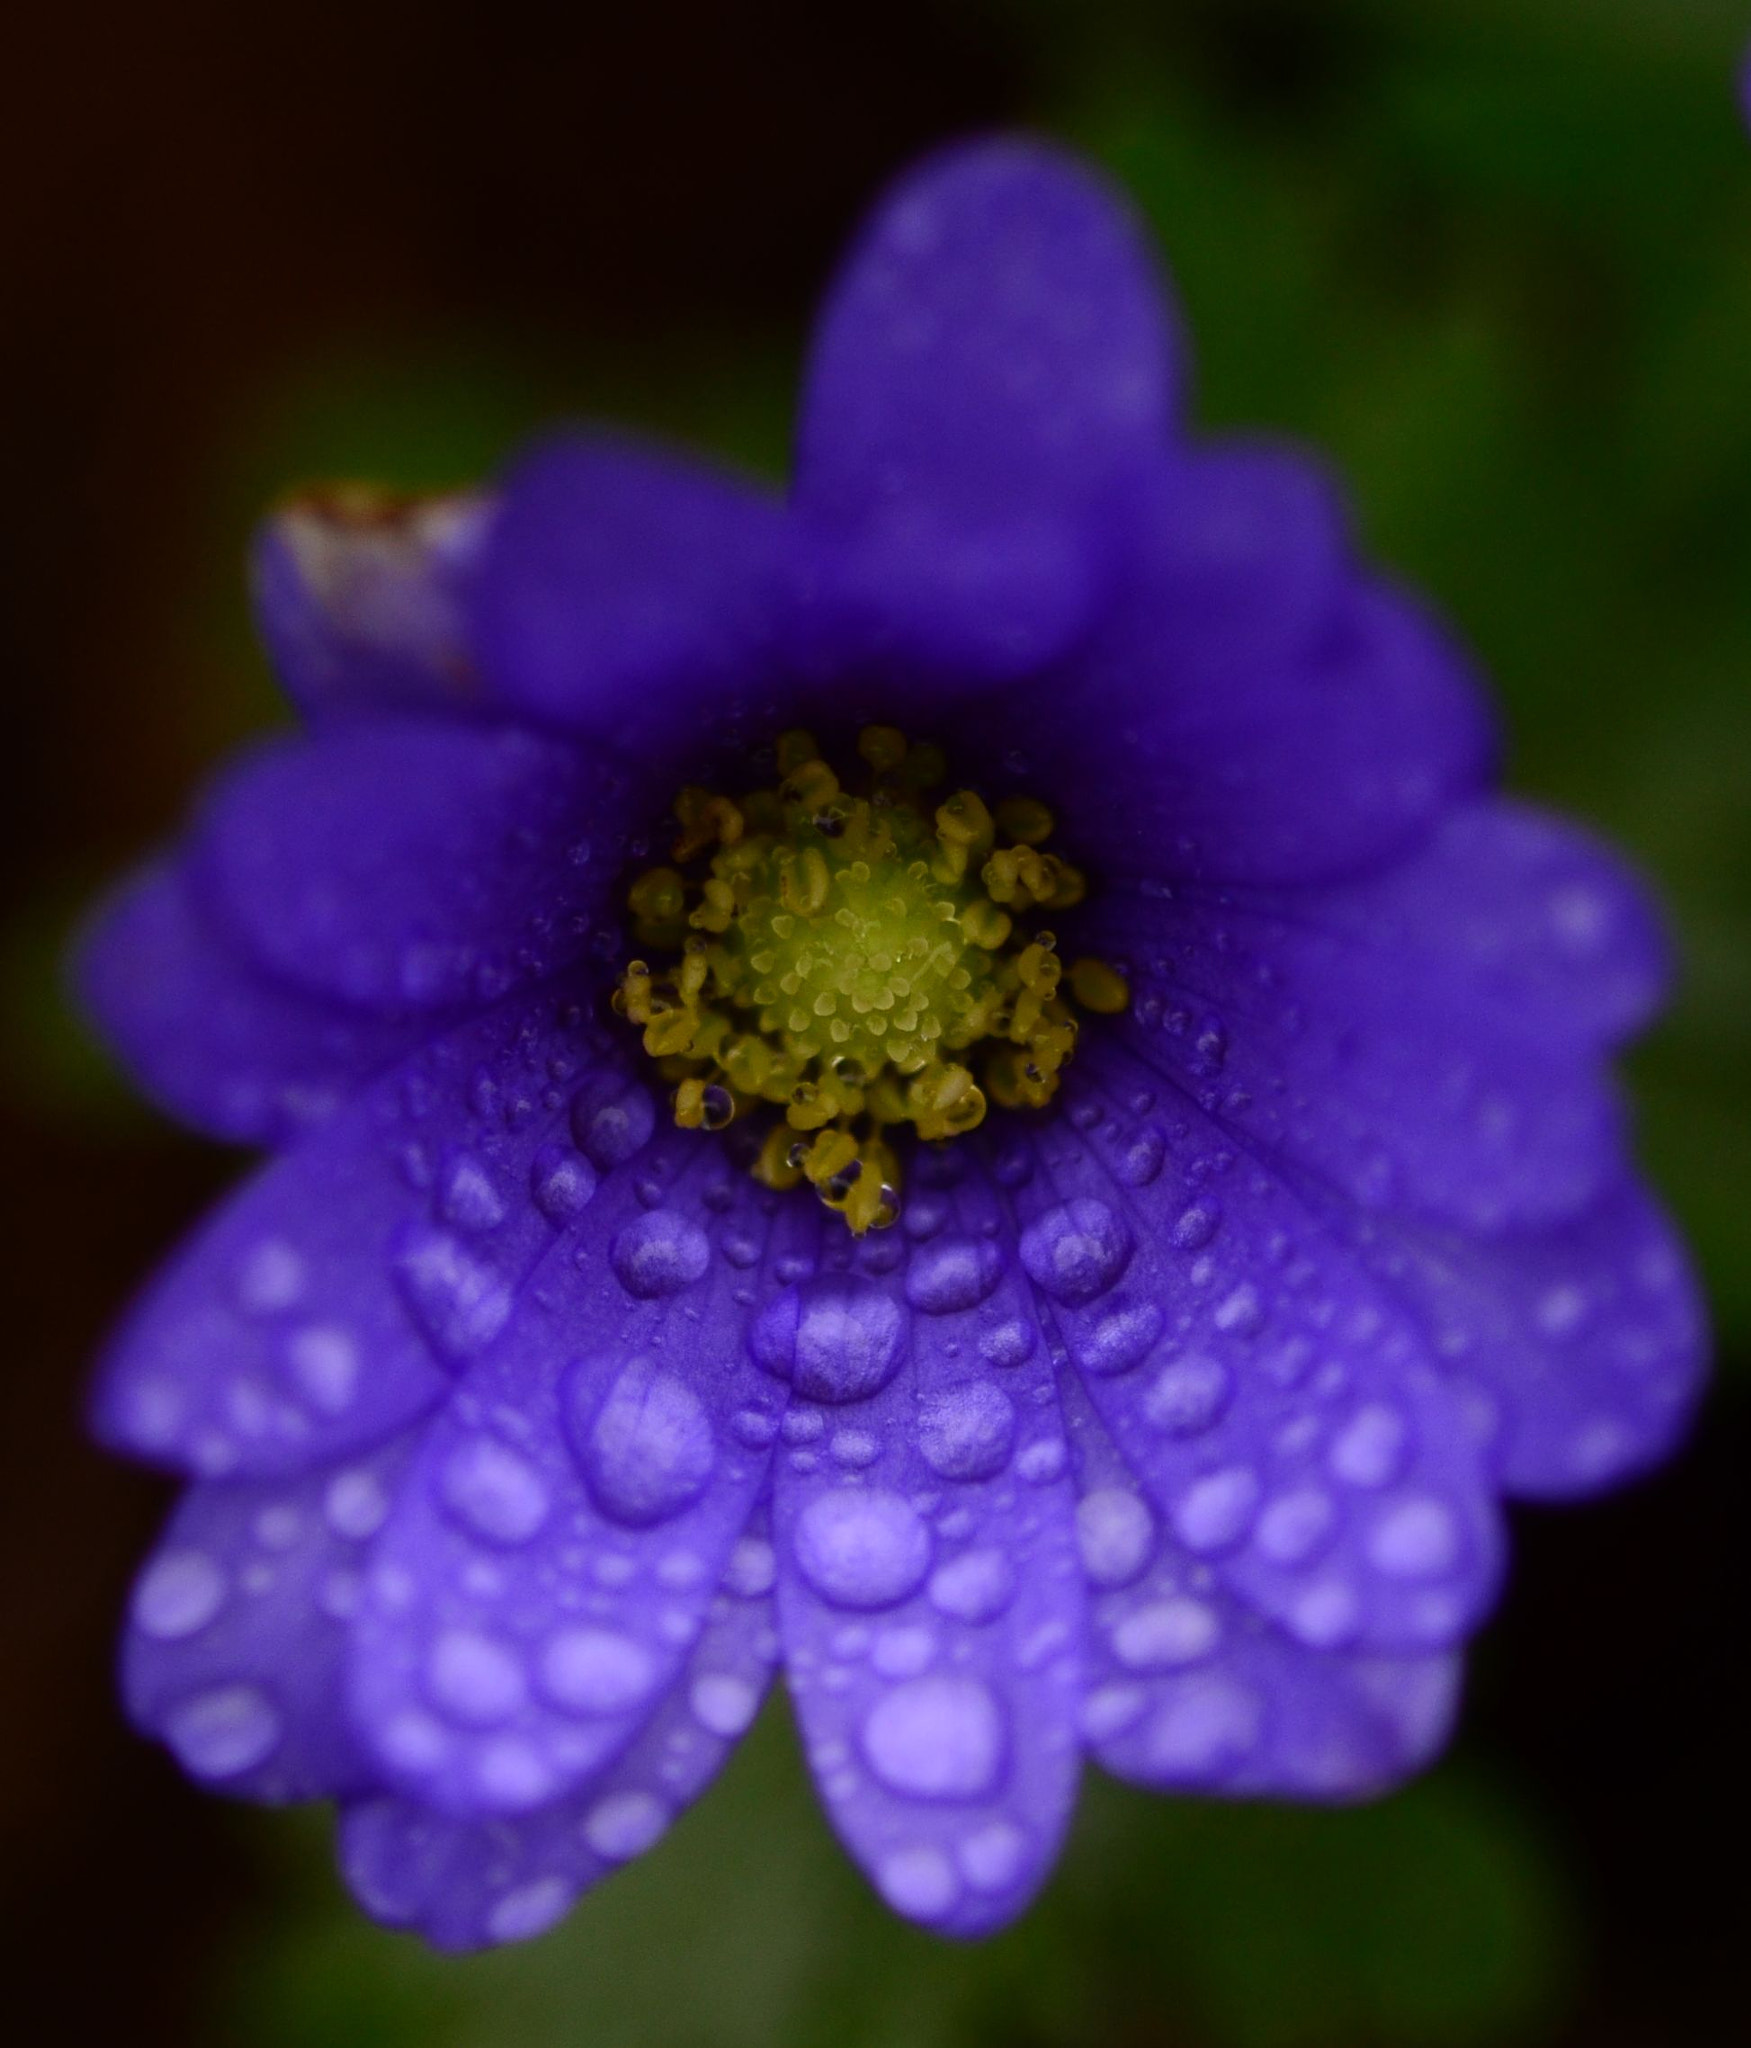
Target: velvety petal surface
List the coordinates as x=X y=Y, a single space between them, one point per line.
x=470 y=1884
x=359 y=598
x=1283 y=1413
x=929 y=1600
x=412 y=863
x=1310 y=762
x=553 y=1555
x=1580 y=1350
x=1186 y=1689
x=236 y=1637
x=206 y=1034
x=333 y=1298
x=995 y=361
x=625 y=589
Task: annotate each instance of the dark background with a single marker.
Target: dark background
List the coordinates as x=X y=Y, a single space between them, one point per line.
x=1493 y=255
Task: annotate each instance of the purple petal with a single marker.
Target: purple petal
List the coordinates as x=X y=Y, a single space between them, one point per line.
x=1580 y=1350
x=929 y=1602
x=996 y=356
x=1349 y=1071
x=237 y=1629
x=359 y=598
x=554 y=1552
x=1178 y=762
x=411 y=864
x=208 y=1036
x=623 y=587
x=998 y=340
x=328 y=1303
x=470 y=1884
x=1187 y=1690
x=1507 y=912
x=1282 y=1412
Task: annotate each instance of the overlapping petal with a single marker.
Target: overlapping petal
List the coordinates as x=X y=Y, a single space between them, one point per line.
x=360 y=599
x=554 y=1552
x=1281 y=1409
x=1186 y=1689
x=402 y=863
x=929 y=1600
x=331 y=1301
x=623 y=588
x=237 y=1629
x=227 y=1048
x=469 y=1884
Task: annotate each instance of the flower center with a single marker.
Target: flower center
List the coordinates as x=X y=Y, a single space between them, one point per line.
x=858 y=958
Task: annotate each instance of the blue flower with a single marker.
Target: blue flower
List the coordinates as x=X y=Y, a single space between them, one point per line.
x=1052 y=1302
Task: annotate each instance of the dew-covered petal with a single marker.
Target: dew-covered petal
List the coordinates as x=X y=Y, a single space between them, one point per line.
x=1308 y=766
x=623 y=586
x=236 y=1634
x=554 y=1552
x=333 y=1298
x=1579 y=1351
x=1505 y=911
x=210 y=1037
x=1187 y=1689
x=359 y=598
x=467 y=1884
x=996 y=355
x=929 y=1600
x=1283 y=1412
x=408 y=863
x=1356 y=1071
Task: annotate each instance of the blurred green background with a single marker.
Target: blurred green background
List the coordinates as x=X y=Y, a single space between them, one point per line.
x=1494 y=257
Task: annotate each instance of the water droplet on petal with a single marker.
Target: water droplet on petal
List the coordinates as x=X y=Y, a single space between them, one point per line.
x=562 y=1182
x=992 y=1858
x=660 y=1253
x=224 y=1732
x=595 y=1671
x=625 y=1824
x=849 y=1337
x=1120 y=1340
x=459 y=1302
x=466 y=1196
x=1417 y=1539
x=493 y=1491
x=1077 y=1251
x=648 y=1450
x=1166 y=1634
x=355 y=1504
x=918 y=1881
x=1188 y=1396
x=473 y=1679
x=1116 y=1533
x=724 y=1704
x=937 y=1737
x=612 y=1119
x=977 y=1586
x=967 y=1432
x=529 y=1909
x=1217 y=1509
x=179 y=1592
x=324 y=1365
x=862 y=1547
x=1371 y=1448
x=953 y=1273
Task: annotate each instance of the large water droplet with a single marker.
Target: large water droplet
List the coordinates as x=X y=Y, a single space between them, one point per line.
x=612 y=1119
x=179 y=1592
x=1116 y=1533
x=223 y=1732
x=529 y=1909
x=589 y=1670
x=493 y=1491
x=724 y=1703
x=837 y=1338
x=473 y=1679
x=975 y=1587
x=1166 y=1634
x=458 y=1301
x=1416 y=1539
x=625 y=1824
x=967 y=1432
x=861 y=1546
x=953 y=1273
x=648 y=1450
x=563 y=1183
x=660 y=1253
x=1077 y=1251
x=467 y=1198
x=323 y=1362
x=936 y=1737
x=1119 y=1340
x=1188 y=1396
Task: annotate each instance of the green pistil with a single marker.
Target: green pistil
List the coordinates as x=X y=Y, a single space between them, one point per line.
x=857 y=960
